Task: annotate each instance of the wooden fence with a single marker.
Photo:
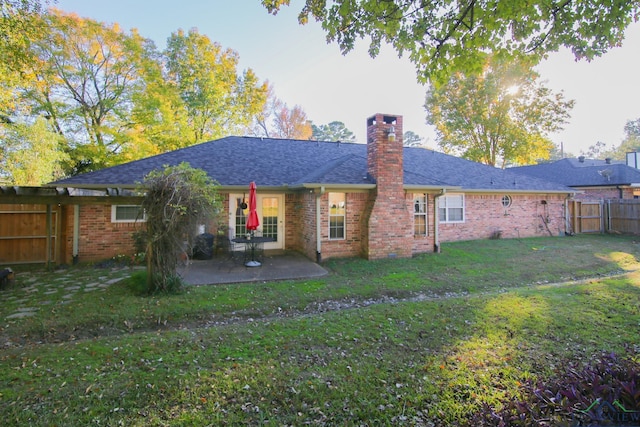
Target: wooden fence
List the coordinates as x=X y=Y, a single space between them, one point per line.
x=622 y=216
x=28 y=232
x=610 y=216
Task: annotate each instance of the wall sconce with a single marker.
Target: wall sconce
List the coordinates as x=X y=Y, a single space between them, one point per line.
x=391 y=134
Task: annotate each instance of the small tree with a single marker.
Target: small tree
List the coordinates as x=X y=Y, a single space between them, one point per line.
x=177 y=199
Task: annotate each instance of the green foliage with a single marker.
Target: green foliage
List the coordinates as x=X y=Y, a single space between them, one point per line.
x=177 y=199
x=218 y=101
x=334 y=131
x=500 y=116
x=443 y=37
x=31 y=154
x=113 y=96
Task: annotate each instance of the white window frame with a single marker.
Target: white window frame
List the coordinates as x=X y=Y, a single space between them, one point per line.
x=342 y=215
x=445 y=204
x=421 y=209
x=114 y=214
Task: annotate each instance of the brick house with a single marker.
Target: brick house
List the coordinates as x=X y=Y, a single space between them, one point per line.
x=324 y=199
x=592 y=179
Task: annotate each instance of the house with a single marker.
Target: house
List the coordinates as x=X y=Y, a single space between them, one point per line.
x=592 y=179
x=324 y=199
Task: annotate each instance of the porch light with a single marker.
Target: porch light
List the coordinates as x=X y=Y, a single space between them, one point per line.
x=391 y=134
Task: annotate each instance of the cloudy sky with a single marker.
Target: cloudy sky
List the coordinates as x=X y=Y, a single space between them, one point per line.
x=305 y=71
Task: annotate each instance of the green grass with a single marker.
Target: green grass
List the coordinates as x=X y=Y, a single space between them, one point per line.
x=391 y=342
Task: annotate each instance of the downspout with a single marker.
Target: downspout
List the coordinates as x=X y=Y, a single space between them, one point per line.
x=76 y=232
x=319 y=226
x=436 y=235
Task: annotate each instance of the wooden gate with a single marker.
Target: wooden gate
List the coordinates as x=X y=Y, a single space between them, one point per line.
x=586 y=216
x=28 y=233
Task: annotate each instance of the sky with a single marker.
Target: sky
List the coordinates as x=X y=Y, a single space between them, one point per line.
x=306 y=71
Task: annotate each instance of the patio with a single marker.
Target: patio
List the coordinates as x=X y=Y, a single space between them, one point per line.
x=276 y=265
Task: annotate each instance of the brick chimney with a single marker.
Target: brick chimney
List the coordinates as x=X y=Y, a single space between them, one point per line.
x=390 y=224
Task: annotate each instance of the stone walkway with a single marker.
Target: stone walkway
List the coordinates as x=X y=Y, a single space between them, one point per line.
x=28 y=292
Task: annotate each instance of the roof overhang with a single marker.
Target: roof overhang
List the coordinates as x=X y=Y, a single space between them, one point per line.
x=66 y=195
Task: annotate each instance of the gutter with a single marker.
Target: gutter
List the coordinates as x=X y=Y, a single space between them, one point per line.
x=436 y=236
x=319 y=226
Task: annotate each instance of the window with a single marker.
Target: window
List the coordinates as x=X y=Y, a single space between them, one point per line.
x=451 y=208
x=506 y=201
x=241 y=211
x=420 y=215
x=127 y=213
x=337 y=215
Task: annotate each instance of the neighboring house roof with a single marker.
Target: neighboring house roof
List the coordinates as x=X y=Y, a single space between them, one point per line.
x=586 y=173
x=283 y=163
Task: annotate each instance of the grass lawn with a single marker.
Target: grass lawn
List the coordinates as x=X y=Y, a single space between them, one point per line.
x=423 y=342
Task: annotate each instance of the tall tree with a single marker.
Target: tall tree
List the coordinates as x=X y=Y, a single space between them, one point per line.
x=159 y=119
x=334 y=131
x=444 y=36
x=18 y=25
x=218 y=100
x=291 y=123
x=276 y=120
x=500 y=116
x=85 y=78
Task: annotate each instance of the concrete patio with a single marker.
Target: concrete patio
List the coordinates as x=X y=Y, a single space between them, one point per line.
x=276 y=265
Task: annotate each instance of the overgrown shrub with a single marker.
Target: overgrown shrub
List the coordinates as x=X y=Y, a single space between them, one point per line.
x=604 y=392
x=176 y=200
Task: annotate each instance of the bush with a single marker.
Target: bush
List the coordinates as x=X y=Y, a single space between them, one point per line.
x=605 y=391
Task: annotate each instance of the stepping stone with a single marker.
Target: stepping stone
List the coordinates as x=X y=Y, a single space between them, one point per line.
x=23 y=312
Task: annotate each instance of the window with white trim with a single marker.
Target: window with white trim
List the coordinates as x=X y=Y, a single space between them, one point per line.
x=451 y=208
x=337 y=216
x=127 y=213
x=420 y=214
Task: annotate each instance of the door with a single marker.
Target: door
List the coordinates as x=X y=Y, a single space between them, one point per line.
x=270 y=208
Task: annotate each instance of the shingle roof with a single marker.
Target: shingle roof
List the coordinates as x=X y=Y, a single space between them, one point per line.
x=589 y=173
x=235 y=161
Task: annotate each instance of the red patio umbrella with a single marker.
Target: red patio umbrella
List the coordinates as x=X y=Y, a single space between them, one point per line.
x=252 y=220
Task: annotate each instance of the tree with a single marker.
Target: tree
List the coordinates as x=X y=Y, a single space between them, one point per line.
x=18 y=25
x=276 y=120
x=217 y=99
x=501 y=116
x=292 y=123
x=85 y=76
x=412 y=139
x=334 y=131
x=159 y=117
x=31 y=153
x=177 y=199
x=444 y=36
x=630 y=143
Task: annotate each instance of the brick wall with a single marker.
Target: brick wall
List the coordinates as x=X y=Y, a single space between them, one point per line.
x=527 y=216
x=602 y=193
x=101 y=239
